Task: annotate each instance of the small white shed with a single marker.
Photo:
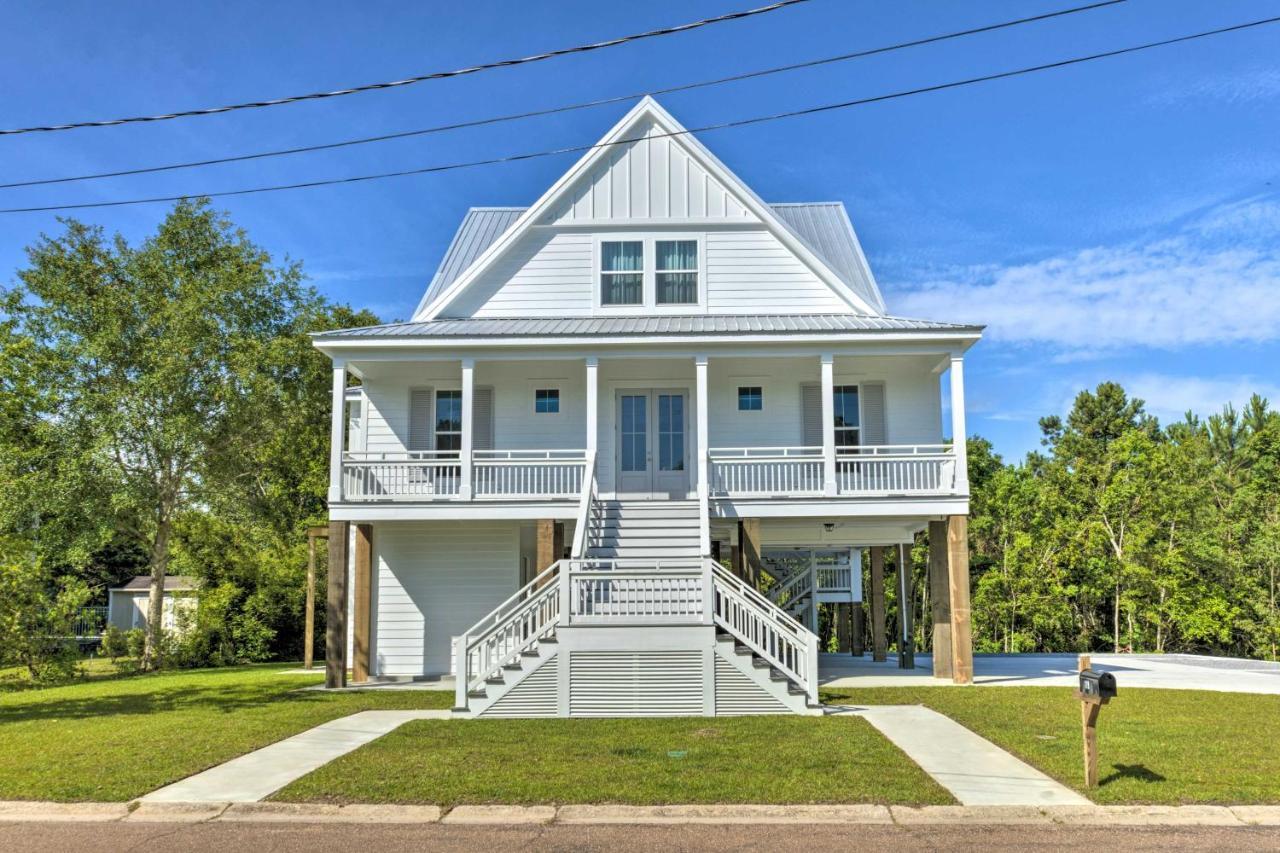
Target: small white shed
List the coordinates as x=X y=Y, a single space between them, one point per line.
x=127 y=605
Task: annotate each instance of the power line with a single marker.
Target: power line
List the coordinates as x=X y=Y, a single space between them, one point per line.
x=408 y=81
x=571 y=107
x=705 y=128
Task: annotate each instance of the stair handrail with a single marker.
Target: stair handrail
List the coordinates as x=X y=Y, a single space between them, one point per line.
x=585 y=502
x=537 y=602
x=795 y=579
x=767 y=630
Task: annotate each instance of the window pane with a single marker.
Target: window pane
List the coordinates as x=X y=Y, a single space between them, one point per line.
x=621 y=289
x=617 y=256
x=546 y=400
x=633 y=433
x=847 y=438
x=677 y=254
x=670 y=432
x=750 y=398
x=677 y=288
x=449 y=411
x=845 y=400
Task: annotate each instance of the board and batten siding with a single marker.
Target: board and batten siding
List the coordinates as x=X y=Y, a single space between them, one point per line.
x=434 y=581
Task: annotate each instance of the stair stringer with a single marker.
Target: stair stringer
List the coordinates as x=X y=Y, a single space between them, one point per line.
x=479 y=706
x=773 y=694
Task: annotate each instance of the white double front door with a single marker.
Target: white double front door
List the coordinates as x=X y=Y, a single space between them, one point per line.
x=652 y=458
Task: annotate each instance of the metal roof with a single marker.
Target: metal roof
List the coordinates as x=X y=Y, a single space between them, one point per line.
x=684 y=324
x=172 y=583
x=823 y=227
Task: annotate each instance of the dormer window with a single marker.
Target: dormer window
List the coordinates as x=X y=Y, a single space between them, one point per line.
x=622 y=272
x=677 y=272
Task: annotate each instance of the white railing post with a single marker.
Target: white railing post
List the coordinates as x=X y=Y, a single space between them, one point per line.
x=708 y=594
x=703 y=438
x=958 y=434
x=566 y=594
x=468 y=397
x=461 y=677
x=828 y=425
x=811 y=676
x=336 y=430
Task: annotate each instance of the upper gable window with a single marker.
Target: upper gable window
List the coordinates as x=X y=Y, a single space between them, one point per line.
x=677 y=272
x=622 y=272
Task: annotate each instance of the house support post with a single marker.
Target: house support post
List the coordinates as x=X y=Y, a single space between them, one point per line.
x=879 y=648
x=362 y=641
x=309 y=631
x=828 y=424
x=336 y=428
x=906 y=602
x=940 y=599
x=335 y=625
x=958 y=433
x=858 y=644
x=468 y=403
x=958 y=573
x=546 y=544
x=749 y=550
x=593 y=404
x=703 y=438
x=843 y=614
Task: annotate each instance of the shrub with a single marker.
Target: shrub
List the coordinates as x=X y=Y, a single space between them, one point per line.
x=115 y=644
x=37 y=620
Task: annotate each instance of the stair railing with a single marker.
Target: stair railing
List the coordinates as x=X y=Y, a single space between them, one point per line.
x=585 y=507
x=765 y=629
x=795 y=587
x=507 y=632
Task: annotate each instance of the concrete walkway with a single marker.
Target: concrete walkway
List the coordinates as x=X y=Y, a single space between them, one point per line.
x=973 y=769
x=1174 y=672
x=259 y=774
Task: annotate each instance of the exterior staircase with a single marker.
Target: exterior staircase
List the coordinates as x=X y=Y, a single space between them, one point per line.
x=644 y=530
x=642 y=625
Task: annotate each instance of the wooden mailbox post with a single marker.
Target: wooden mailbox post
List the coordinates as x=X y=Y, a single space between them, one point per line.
x=1096 y=689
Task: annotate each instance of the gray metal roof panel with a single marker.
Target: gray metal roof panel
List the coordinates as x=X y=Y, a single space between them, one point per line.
x=680 y=324
x=823 y=227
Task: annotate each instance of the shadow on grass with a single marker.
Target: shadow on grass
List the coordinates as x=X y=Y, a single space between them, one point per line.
x=1137 y=772
x=225 y=696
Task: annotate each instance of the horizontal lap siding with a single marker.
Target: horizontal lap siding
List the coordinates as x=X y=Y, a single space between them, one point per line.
x=434 y=581
x=751 y=272
x=546 y=273
x=516 y=425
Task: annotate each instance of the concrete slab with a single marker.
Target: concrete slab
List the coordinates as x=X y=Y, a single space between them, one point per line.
x=1258 y=815
x=172 y=812
x=38 y=810
x=932 y=815
x=806 y=814
x=1172 y=672
x=500 y=814
x=973 y=769
x=259 y=774
x=329 y=813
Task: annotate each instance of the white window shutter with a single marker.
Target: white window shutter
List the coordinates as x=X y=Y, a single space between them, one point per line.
x=811 y=415
x=873 y=417
x=482 y=415
x=420 y=407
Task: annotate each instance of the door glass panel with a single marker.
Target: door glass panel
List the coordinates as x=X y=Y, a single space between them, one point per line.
x=670 y=432
x=634 y=432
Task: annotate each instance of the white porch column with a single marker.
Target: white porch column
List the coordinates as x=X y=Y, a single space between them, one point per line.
x=828 y=424
x=593 y=403
x=468 y=397
x=336 y=430
x=703 y=438
x=958 y=433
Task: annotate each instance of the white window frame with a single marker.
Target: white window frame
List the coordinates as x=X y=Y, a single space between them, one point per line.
x=858 y=388
x=646 y=259
x=737 y=393
x=699 y=281
x=559 y=398
x=649 y=290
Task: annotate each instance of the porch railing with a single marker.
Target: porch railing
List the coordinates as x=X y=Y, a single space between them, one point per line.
x=886 y=469
x=437 y=475
x=636 y=592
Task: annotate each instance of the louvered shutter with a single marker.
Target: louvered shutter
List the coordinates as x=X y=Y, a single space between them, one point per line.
x=811 y=415
x=873 y=419
x=482 y=416
x=420 y=433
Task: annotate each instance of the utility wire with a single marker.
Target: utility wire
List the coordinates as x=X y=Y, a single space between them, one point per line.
x=705 y=128
x=408 y=81
x=814 y=63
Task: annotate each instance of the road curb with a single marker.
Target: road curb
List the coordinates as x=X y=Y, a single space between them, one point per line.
x=371 y=813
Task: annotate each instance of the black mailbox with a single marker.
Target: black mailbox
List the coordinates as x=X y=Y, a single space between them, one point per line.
x=1097 y=686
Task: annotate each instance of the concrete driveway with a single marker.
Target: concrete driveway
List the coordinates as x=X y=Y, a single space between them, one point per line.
x=1177 y=672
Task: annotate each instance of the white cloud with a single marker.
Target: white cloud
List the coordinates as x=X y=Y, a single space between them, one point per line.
x=1217 y=281
x=1244 y=87
x=1170 y=397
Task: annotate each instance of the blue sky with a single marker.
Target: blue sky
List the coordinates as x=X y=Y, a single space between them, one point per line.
x=1116 y=220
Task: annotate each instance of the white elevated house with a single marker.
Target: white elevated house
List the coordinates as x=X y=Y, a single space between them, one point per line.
x=635 y=436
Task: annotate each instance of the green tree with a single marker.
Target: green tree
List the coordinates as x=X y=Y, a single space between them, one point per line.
x=149 y=363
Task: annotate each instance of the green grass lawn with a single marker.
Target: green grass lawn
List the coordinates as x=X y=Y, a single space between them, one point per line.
x=119 y=738
x=1154 y=746
x=91 y=669
x=633 y=761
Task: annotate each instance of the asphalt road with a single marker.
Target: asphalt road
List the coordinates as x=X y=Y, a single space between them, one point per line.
x=372 y=838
